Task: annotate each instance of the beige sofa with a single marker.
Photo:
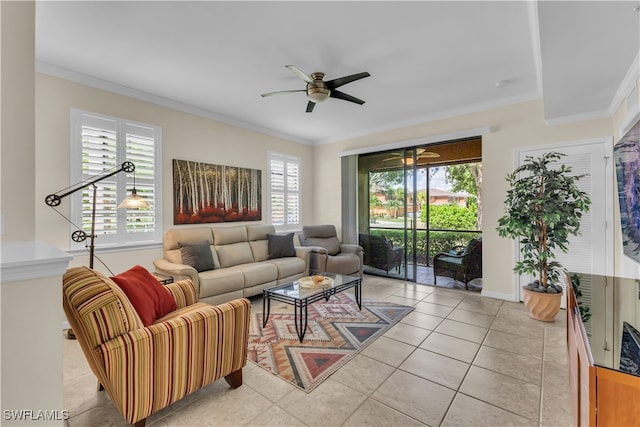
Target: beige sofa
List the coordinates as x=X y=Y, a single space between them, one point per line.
x=240 y=255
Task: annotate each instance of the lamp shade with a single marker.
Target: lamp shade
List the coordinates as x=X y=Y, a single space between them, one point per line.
x=133 y=201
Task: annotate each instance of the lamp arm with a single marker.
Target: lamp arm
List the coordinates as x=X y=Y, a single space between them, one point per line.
x=56 y=199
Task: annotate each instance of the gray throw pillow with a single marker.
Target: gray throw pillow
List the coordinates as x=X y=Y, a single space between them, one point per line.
x=281 y=245
x=197 y=256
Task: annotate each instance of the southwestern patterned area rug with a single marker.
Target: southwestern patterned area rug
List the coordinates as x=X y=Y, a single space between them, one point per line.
x=337 y=331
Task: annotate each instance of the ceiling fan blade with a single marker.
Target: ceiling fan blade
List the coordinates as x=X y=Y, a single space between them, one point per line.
x=332 y=84
x=428 y=155
x=310 y=106
x=299 y=73
x=280 y=92
x=341 y=95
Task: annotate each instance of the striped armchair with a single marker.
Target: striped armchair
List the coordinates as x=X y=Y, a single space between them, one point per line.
x=145 y=369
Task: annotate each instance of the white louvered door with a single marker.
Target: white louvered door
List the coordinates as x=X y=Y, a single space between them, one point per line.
x=590 y=252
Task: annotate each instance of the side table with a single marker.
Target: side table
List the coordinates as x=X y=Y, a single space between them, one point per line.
x=163 y=278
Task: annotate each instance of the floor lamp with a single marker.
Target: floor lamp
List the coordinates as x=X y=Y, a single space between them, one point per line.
x=132 y=201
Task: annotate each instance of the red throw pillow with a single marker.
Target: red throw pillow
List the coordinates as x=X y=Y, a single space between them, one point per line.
x=150 y=299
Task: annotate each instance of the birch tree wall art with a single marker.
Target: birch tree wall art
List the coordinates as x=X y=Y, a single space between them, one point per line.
x=205 y=193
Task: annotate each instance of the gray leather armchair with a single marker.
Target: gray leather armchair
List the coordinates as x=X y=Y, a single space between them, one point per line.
x=328 y=254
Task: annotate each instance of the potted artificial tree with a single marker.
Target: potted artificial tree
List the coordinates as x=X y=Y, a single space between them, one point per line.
x=543 y=208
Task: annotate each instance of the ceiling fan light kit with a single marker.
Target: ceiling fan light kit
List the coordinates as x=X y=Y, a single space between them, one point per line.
x=319 y=91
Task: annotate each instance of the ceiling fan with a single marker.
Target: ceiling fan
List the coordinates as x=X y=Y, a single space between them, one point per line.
x=319 y=91
x=421 y=153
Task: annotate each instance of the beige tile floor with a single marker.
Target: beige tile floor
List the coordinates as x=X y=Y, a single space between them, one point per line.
x=458 y=359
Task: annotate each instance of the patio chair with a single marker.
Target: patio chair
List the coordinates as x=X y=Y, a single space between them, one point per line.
x=380 y=253
x=463 y=263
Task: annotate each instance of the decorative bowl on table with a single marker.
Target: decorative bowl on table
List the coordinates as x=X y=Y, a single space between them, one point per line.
x=315 y=282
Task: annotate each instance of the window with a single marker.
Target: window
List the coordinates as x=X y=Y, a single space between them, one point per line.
x=284 y=190
x=100 y=144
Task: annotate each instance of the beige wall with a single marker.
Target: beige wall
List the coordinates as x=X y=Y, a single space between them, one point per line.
x=190 y=137
x=17 y=177
x=514 y=126
x=184 y=136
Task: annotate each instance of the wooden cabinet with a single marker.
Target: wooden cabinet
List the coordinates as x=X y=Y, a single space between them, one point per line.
x=600 y=396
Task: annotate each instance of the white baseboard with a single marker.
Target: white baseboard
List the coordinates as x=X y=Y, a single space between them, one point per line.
x=499 y=295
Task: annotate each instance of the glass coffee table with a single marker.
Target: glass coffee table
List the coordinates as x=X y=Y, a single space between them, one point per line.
x=294 y=294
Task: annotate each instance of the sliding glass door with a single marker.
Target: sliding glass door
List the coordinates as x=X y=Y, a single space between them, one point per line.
x=415 y=202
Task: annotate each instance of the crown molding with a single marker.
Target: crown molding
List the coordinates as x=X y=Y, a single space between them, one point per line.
x=63 y=73
x=574 y=118
x=626 y=87
x=475 y=108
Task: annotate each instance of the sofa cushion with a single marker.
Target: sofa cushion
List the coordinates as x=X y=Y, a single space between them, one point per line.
x=185 y=235
x=197 y=255
x=234 y=254
x=331 y=244
x=324 y=236
x=260 y=250
x=281 y=245
x=259 y=231
x=150 y=299
x=344 y=263
x=257 y=273
x=216 y=282
x=288 y=267
x=228 y=235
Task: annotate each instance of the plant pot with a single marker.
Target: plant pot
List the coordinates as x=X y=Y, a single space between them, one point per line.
x=541 y=305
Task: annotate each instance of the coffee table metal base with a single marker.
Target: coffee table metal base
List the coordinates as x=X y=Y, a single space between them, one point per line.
x=301 y=304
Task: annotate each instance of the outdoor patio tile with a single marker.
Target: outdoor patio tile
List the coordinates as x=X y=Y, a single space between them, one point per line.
x=330 y=404
x=373 y=413
x=473 y=318
x=525 y=368
x=416 y=397
x=466 y=411
x=363 y=374
x=514 y=343
x=462 y=330
x=435 y=367
x=449 y=346
x=503 y=391
x=438 y=298
x=388 y=351
x=433 y=309
x=422 y=320
x=408 y=334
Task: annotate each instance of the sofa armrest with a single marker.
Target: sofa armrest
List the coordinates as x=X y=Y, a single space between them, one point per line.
x=350 y=249
x=159 y=367
x=317 y=250
x=304 y=252
x=183 y=292
x=178 y=271
x=317 y=259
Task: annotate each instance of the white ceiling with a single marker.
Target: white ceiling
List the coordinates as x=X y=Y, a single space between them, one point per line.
x=427 y=59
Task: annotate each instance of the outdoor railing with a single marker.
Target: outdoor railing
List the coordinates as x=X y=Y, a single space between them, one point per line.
x=428 y=242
